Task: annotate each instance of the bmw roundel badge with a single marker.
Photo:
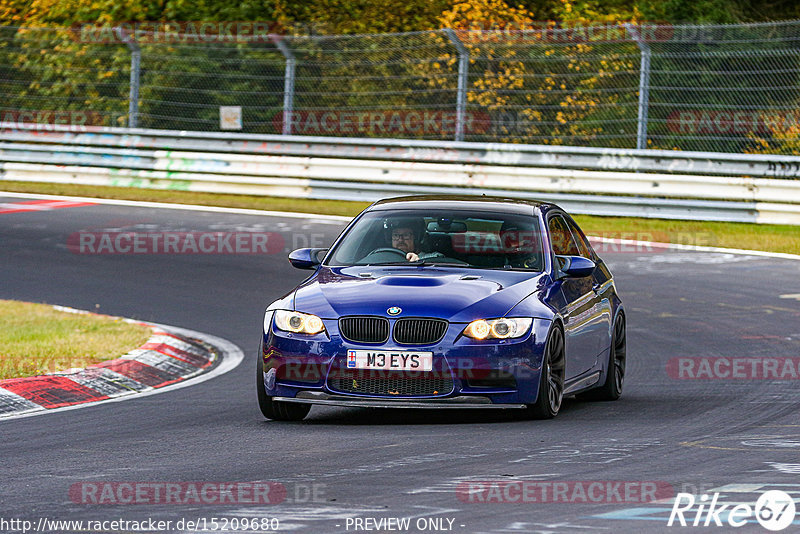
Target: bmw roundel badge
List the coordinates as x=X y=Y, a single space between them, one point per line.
x=394 y=310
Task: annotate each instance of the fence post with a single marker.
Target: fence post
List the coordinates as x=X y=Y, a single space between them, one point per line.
x=136 y=62
x=644 y=85
x=288 y=82
x=463 y=70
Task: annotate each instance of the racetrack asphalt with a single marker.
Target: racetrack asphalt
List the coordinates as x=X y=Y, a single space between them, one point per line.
x=736 y=437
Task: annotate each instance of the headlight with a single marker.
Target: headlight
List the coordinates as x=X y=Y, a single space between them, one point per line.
x=498 y=328
x=301 y=323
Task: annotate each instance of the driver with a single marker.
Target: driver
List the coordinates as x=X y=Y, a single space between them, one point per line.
x=406 y=238
x=403 y=238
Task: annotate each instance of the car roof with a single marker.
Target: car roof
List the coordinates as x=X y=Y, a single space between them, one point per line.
x=481 y=203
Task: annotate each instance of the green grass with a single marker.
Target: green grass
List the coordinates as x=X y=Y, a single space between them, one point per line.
x=767 y=237
x=36 y=339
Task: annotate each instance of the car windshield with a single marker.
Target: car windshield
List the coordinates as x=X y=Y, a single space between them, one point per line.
x=476 y=239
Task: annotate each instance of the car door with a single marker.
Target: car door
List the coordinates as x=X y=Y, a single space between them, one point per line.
x=600 y=323
x=579 y=302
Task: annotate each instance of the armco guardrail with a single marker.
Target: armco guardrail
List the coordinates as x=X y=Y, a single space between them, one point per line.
x=567 y=157
x=706 y=186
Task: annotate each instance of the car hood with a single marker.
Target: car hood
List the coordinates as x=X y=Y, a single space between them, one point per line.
x=455 y=294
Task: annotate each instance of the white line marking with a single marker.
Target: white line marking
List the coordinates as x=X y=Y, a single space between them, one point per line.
x=25 y=207
x=792 y=469
x=46 y=206
x=325 y=219
x=795 y=296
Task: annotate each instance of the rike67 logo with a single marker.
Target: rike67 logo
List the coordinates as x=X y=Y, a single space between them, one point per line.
x=774 y=510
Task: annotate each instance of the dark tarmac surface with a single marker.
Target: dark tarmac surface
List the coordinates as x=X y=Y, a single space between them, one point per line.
x=736 y=437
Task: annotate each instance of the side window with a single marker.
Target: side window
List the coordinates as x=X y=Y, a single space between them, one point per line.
x=561 y=238
x=583 y=245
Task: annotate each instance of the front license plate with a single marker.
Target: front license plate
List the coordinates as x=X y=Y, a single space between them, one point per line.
x=398 y=360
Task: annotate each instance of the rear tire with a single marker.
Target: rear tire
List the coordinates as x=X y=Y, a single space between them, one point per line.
x=276 y=410
x=551 y=379
x=611 y=389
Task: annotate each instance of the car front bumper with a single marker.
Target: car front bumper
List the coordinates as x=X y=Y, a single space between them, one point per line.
x=300 y=369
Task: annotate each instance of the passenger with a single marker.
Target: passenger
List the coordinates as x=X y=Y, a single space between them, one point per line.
x=519 y=246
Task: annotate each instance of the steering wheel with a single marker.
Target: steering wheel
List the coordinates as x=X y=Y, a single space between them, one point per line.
x=385 y=254
x=388 y=249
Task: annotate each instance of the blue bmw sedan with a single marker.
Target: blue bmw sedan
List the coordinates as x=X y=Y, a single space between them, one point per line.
x=446 y=302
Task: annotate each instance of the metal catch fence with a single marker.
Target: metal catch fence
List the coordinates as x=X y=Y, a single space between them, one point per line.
x=724 y=88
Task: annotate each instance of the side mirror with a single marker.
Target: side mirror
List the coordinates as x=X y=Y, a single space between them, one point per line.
x=306 y=258
x=576 y=266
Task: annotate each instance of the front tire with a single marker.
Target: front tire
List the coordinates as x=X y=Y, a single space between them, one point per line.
x=611 y=389
x=551 y=378
x=276 y=410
